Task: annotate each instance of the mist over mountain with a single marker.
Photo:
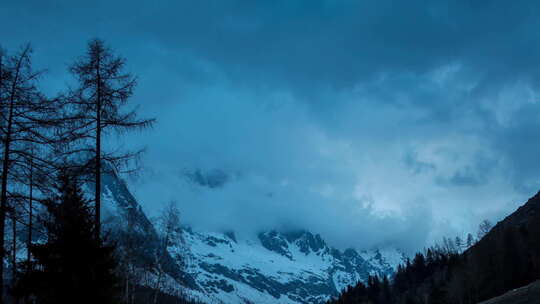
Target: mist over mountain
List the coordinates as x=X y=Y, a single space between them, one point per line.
x=287 y=266
x=323 y=106
x=248 y=204
x=325 y=136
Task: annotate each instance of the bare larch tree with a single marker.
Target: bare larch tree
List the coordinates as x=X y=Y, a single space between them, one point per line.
x=27 y=118
x=103 y=90
x=170 y=233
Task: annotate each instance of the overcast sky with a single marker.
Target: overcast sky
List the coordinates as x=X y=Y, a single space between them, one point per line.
x=370 y=122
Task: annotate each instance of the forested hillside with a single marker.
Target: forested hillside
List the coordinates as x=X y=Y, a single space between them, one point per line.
x=507 y=257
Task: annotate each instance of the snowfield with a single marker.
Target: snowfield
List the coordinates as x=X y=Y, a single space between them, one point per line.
x=272 y=267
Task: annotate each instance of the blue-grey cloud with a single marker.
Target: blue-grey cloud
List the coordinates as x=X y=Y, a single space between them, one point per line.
x=369 y=121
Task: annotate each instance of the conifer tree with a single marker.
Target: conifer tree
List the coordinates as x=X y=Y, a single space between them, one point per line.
x=459 y=244
x=71 y=267
x=483 y=229
x=386 y=294
x=470 y=240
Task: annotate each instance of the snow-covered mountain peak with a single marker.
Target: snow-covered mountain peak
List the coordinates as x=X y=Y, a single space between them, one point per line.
x=220 y=267
x=291 y=267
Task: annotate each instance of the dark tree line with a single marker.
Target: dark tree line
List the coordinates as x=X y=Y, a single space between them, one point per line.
x=43 y=137
x=506 y=257
x=407 y=285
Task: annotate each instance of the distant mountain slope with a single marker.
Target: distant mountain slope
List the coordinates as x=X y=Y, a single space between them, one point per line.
x=122 y=213
x=506 y=258
x=273 y=267
x=278 y=267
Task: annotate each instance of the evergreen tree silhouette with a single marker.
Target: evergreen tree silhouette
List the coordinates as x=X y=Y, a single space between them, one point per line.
x=72 y=266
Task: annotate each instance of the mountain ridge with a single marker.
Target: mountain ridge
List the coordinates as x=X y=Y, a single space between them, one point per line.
x=274 y=267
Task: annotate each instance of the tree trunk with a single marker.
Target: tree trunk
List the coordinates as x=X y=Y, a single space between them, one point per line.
x=126 y=291
x=14 y=253
x=3 y=202
x=158 y=282
x=2 y=207
x=14 y=249
x=5 y=168
x=159 y=266
x=98 y=151
x=30 y=210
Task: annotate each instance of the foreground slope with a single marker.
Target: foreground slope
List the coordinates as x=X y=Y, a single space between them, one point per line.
x=529 y=294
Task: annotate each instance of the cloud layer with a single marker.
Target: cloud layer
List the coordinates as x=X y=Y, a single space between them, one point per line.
x=371 y=122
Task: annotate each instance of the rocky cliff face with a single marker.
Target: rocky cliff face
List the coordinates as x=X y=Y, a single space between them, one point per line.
x=294 y=267
x=124 y=218
x=271 y=267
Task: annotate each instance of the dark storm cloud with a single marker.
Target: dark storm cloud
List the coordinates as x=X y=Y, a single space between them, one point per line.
x=376 y=121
